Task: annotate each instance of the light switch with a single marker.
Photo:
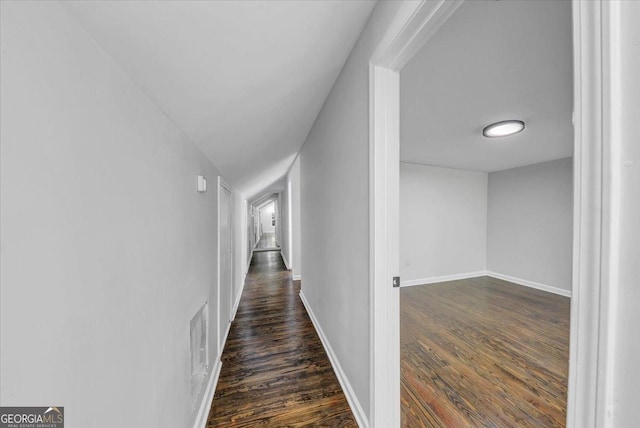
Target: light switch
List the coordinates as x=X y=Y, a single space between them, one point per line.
x=202 y=184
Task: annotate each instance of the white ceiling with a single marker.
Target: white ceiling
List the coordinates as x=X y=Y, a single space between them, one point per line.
x=491 y=61
x=244 y=80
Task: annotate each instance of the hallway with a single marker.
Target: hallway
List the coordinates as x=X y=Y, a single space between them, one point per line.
x=205 y=219
x=275 y=370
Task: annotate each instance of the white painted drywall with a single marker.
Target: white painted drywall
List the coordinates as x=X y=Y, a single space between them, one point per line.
x=285 y=244
x=225 y=276
x=266 y=225
x=278 y=218
x=443 y=221
x=294 y=176
x=290 y=243
x=255 y=220
x=625 y=350
x=334 y=175
x=530 y=223
x=107 y=249
x=239 y=244
x=251 y=235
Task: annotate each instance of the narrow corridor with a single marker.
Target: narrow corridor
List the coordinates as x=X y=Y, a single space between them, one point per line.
x=274 y=368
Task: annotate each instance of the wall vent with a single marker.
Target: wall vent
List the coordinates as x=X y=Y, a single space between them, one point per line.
x=199 y=347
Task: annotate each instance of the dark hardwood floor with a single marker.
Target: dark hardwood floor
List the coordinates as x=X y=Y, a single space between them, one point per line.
x=483 y=352
x=275 y=371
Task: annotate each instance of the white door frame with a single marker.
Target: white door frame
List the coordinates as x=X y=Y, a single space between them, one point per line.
x=224 y=186
x=596 y=44
x=290 y=225
x=589 y=387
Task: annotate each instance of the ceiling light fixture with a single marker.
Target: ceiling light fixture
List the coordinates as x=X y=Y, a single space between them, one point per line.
x=503 y=128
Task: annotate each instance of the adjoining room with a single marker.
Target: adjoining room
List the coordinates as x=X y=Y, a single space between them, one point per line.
x=266 y=224
x=486 y=218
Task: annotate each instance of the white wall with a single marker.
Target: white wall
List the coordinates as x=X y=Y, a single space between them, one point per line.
x=334 y=175
x=443 y=222
x=278 y=212
x=250 y=241
x=107 y=248
x=240 y=246
x=285 y=244
x=294 y=177
x=290 y=244
x=530 y=223
x=256 y=226
x=265 y=218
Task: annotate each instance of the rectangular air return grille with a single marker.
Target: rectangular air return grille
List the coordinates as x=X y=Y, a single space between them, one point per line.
x=199 y=346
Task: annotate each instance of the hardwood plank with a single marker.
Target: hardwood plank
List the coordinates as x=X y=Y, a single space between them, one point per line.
x=483 y=352
x=275 y=371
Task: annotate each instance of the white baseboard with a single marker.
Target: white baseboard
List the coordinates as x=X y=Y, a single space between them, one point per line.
x=356 y=409
x=297 y=277
x=224 y=339
x=519 y=281
x=532 y=284
x=237 y=302
x=443 y=278
x=207 y=399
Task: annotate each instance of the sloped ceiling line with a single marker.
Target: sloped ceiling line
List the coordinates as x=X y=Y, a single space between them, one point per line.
x=244 y=80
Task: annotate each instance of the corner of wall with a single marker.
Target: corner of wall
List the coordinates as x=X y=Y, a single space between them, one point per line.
x=530 y=284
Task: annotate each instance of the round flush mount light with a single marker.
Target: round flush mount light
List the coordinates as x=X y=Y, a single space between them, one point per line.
x=503 y=129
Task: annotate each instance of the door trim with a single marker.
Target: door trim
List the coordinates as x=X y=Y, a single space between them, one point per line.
x=223 y=186
x=595 y=41
x=414 y=23
x=289 y=225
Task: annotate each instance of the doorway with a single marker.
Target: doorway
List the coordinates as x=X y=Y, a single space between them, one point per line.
x=225 y=275
x=486 y=220
x=413 y=26
x=268 y=227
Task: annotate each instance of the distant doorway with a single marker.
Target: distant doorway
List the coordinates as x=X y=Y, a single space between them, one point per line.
x=267 y=227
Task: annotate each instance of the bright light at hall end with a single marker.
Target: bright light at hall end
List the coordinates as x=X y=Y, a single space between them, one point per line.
x=503 y=128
